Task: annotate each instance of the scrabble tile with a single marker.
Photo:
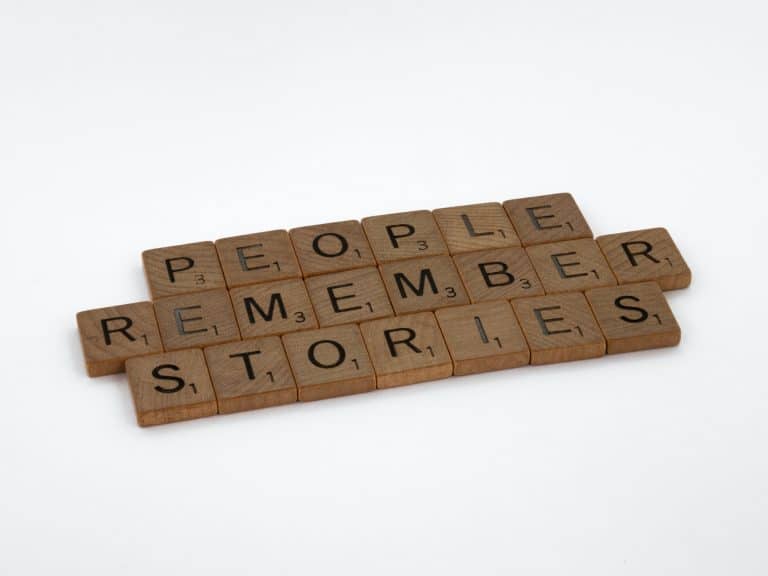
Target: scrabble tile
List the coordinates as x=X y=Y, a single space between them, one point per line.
x=570 y=266
x=404 y=235
x=421 y=284
x=254 y=258
x=559 y=328
x=331 y=247
x=476 y=227
x=272 y=308
x=329 y=362
x=500 y=274
x=250 y=374
x=634 y=317
x=644 y=255
x=549 y=218
x=110 y=336
x=483 y=337
x=351 y=296
x=196 y=320
x=170 y=387
x=182 y=269
x=406 y=349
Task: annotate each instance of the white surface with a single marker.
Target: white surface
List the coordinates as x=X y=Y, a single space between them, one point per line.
x=125 y=126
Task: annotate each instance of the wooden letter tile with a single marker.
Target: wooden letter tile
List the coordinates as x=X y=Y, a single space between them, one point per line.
x=254 y=258
x=559 y=328
x=182 y=269
x=404 y=235
x=196 y=320
x=634 y=317
x=272 y=308
x=250 y=374
x=571 y=266
x=331 y=247
x=501 y=274
x=351 y=296
x=406 y=349
x=483 y=337
x=170 y=387
x=421 y=284
x=646 y=255
x=112 y=335
x=550 y=218
x=329 y=362
x=476 y=227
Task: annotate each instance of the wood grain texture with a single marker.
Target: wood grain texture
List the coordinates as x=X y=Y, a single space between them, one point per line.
x=196 y=320
x=634 y=317
x=483 y=337
x=422 y=284
x=548 y=218
x=476 y=227
x=251 y=374
x=170 y=387
x=255 y=258
x=406 y=349
x=404 y=235
x=574 y=265
x=350 y=296
x=501 y=274
x=643 y=255
x=559 y=328
x=182 y=269
x=272 y=308
x=329 y=362
x=109 y=336
x=332 y=247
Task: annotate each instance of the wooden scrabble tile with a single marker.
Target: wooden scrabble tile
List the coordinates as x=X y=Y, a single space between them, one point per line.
x=181 y=269
x=559 y=328
x=421 y=284
x=476 y=227
x=500 y=274
x=570 y=266
x=644 y=255
x=329 y=362
x=254 y=258
x=272 y=308
x=406 y=349
x=170 y=387
x=331 y=247
x=196 y=320
x=634 y=317
x=250 y=374
x=404 y=235
x=549 y=218
x=351 y=296
x=483 y=337
x=110 y=336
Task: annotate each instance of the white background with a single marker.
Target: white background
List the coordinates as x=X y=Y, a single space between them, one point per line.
x=133 y=125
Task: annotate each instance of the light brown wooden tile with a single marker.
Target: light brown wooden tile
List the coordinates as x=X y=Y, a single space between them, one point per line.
x=643 y=255
x=483 y=337
x=329 y=362
x=254 y=258
x=570 y=266
x=559 y=328
x=351 y=296
x=272 y=308
x=170 y=387
x=634 y=317
x=111 y=335
x=421 y=284
x=476 y=227
x=404 y=235
x=332 y=247
x=250 y=374
x=181 y=269
x=406 y=349
x=196 y=320
x=501 y=274
x=549 y=218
